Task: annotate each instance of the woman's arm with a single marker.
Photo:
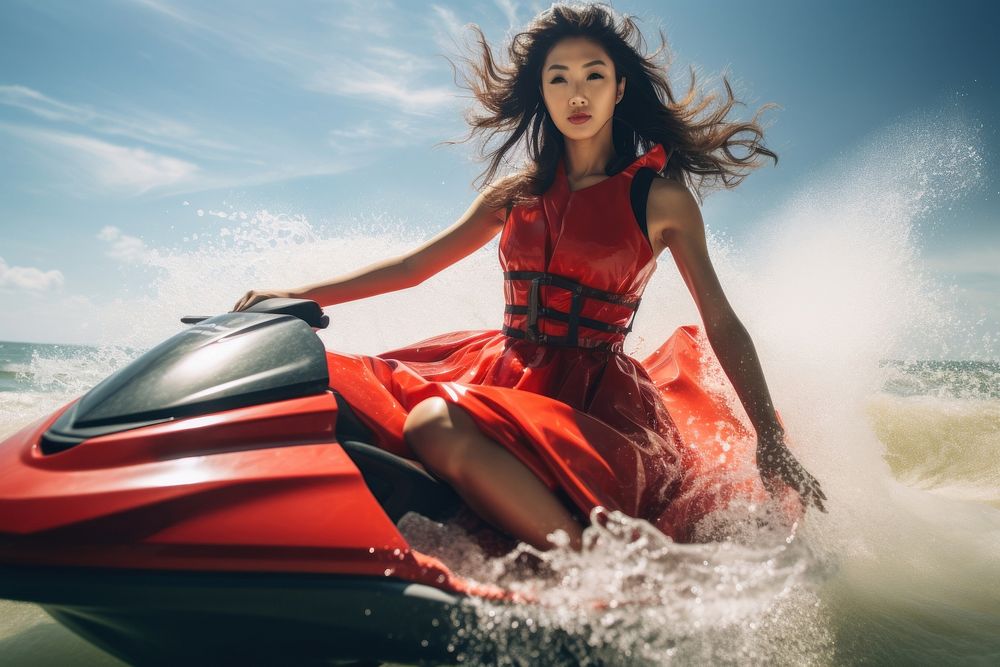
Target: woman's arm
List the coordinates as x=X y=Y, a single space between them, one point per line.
x=473 y=230
x=675 y=220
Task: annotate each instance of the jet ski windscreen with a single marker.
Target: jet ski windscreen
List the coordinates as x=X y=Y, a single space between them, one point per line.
x=225 y=362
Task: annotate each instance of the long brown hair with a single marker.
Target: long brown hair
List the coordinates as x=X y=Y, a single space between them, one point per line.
x=701 y=148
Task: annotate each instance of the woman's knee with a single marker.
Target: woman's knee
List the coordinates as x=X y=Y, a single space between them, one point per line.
x=425 y=417
x=431 y=434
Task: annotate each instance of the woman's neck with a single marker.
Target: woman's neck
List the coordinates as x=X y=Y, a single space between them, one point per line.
x=588 y=157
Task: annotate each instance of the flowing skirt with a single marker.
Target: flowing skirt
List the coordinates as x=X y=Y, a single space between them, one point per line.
x=664 y=439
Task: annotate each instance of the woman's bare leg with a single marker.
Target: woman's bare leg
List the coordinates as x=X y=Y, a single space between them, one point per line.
x=491 y=480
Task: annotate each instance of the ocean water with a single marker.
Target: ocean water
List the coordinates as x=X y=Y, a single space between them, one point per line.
x=857 y=342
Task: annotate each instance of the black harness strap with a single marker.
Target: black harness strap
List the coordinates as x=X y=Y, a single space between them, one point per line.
x=569 y=318
x=572 y=286
x=557 y=341
x=534 y=310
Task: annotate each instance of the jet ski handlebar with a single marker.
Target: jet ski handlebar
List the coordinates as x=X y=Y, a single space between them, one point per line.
x=308 y=311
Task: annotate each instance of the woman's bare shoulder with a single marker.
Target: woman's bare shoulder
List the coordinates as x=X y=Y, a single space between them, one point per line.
x=671 y=209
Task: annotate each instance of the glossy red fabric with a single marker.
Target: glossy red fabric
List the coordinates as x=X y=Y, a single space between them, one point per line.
x=656 y=439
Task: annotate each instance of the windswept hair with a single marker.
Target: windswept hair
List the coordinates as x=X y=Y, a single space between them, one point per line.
x=509 y=94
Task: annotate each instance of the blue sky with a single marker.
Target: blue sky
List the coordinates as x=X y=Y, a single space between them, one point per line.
x=131 y=125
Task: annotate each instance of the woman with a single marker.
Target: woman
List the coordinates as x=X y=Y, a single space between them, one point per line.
x=536 y=424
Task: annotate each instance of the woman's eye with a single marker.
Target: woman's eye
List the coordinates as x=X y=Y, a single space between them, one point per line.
x=559 y=78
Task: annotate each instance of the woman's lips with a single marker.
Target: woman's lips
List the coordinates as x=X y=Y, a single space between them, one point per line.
x=578 y=119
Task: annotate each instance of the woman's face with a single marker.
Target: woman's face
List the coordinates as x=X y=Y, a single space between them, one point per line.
x=578 y=79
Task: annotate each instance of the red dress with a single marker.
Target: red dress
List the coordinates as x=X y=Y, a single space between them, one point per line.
x=650 y=438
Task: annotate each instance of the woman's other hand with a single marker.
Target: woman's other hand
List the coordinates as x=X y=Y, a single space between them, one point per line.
x=777 y=465
x=258 y=295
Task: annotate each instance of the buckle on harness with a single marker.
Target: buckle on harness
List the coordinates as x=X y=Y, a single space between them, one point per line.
x=532 y=333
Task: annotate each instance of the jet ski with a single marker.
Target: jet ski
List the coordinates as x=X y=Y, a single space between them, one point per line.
x=216 y=502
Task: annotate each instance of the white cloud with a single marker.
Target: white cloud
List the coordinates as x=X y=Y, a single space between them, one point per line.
x=83 y=163
x=365 y=130
x=398 y=61
x=369 y=52
x=131 y=170
x=86 y=161
x=367 y=17
x=135 y=124
x=357 y=141
x=447 y=26
x=124 y=248
x=385 y=80
x=29 y=278
x=342 y=64
x=509 y=9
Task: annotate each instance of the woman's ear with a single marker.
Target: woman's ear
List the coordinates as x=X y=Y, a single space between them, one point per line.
x=621 y=91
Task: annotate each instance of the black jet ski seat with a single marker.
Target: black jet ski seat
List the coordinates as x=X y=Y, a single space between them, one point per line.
x=399 y=485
